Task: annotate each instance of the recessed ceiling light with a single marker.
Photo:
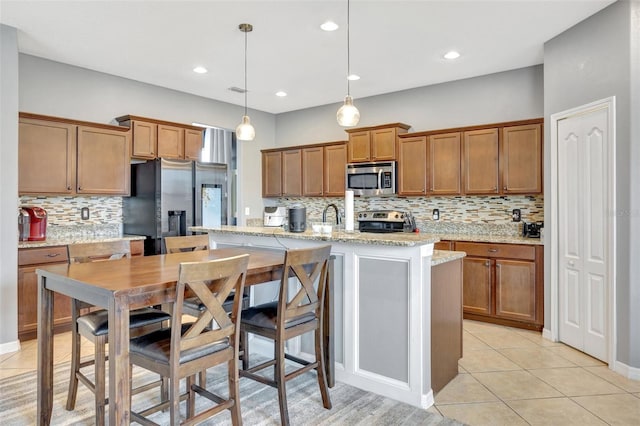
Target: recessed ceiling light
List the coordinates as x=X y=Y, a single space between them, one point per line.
x=281 y=94
x=329 y=26
x=200 y=70
x=452 y=55
x=353 y=77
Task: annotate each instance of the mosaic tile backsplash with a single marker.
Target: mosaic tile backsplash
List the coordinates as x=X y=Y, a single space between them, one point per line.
x=63 y=215
x=458 y=214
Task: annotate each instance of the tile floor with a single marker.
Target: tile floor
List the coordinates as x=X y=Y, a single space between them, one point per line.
x=507 y=377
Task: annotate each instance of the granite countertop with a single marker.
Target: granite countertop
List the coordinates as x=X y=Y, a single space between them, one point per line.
x=63 y=241
x=443 y=256
x=490 y=238
x=400 y=239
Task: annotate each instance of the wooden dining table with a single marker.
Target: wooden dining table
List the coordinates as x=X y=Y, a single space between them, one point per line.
x=125 y=284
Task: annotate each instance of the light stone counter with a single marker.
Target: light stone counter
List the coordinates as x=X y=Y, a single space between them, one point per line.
x=489 y=238
x=402 y=239
x=443 y=256
x=63 y=241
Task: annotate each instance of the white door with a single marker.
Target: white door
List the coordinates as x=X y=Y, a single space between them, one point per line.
x=583 y=231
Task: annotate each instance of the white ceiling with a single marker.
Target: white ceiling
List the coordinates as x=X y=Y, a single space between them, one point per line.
x=395 y=45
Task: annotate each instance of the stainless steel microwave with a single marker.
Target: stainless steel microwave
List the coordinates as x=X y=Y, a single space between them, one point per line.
x=371 y=179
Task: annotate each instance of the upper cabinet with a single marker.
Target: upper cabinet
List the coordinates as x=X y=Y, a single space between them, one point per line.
x=68 y=157
x=162 y=139
x=480 y=161
x=374 y=143
x=412 y=166
x=521 y=157
x=310 y=170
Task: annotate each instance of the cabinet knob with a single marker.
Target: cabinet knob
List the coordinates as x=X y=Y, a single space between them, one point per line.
x=53 y=255
x=487 y=263
x=492 y=250
x=68 y=187
x=495 y=188
x=79 y=188
x=505 y=188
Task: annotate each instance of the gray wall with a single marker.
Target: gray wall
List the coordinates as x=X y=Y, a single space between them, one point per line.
x=8 y=188
x=62 y=90
x=505 y=96
x=588 y=62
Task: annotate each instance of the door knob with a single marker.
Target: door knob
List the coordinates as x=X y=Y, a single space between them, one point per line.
x=571 y=263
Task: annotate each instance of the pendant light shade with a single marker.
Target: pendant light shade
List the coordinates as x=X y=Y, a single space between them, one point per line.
x=245 y=131
x=348 y=115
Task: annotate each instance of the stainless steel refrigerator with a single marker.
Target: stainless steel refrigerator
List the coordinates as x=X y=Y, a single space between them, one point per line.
x=167 y=198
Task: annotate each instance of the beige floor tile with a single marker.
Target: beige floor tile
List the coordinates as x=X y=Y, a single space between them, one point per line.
x=554 y=411
x=463 y=389
x=477 y=326
x=483 y=413
x=509 y=385
x=434 y=410
x=472 y=343
x=575 y=381
x=486 y=360
x=615 y=378
x=11 y=372
x=6 y=356
x=637 y=395
x=21 y=359
x=538 y=357
x=614 y=409
x=575 y=356
x=505 y=339
x=536 y=337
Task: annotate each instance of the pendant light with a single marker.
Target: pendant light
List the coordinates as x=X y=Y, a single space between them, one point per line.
x=245 y=131
x=348 y=115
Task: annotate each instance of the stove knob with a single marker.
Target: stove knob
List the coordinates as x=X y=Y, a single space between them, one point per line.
x=397 y=215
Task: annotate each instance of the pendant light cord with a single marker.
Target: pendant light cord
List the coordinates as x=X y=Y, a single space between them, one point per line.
x=348 y=53
x=245 y=73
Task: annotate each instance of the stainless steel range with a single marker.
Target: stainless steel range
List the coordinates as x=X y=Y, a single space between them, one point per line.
x=386 y=221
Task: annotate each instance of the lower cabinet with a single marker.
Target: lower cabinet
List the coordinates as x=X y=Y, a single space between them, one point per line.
x=30 y=259
x=503 y=283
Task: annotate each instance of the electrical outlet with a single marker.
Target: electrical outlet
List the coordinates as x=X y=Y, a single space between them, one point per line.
x=247 y=211
x=84 y=213
x=515 y=215
x=435 y=215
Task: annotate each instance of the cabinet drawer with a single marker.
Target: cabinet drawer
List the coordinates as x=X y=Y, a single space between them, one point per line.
x=511 y=251
x=37 y=256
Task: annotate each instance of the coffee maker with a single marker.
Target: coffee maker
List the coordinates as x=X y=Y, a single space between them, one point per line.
x=37 y=223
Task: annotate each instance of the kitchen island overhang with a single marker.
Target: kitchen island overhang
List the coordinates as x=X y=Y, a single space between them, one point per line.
x=382 y=299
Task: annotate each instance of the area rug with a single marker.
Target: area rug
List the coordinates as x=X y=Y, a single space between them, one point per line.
x=259 y=404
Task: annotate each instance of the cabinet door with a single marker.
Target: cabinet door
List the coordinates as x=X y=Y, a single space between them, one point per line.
x=335 y=162
x=103 y=161
x=272 y=174
x=444 y=164
x=383 y=144
x=192 y=144
x=521 y=159
x=170 y=141
x=312 y=171
x=516 y=290
x=46 y=157
x=480 y=161
x=412 y=166
x=359 y=147
x=144 y=140
x=476 y=287
x=292 y=172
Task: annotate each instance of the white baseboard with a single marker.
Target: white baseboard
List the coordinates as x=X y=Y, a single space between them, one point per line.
x=9 y=347
x=632 y=373
x=546 y=333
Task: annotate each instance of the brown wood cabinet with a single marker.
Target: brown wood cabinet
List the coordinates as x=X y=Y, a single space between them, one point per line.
x=292 y=172
x=521 y=158
x=313 y=171
x=272 y=174
x=412 y=166
x=61 y=156
x=445 y=169
x=154 y=138
x=503 y=283
x=443 y=245
x=376 y=143
x=335 y=163
x=30 y=259
x=480 y=161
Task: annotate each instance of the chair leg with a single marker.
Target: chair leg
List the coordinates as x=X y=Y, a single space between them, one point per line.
x=191 y=398
x=174 y=396
x=280 y=381
x=234 y=391
x=75 y=366
x=244 y=344
x=322 y=372
x=100 y=379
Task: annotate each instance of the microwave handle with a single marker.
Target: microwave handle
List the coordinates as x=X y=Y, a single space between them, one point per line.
x=380 y=179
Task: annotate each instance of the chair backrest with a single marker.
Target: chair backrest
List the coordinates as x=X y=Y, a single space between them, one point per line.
x=186 y=243
x=308 y=266
x=92 y=252
x=211 y=281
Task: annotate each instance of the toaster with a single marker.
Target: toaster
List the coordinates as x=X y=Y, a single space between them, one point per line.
x=275 y=216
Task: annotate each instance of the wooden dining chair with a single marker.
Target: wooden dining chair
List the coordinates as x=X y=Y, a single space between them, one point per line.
x=290 y=317
x=94 y=326
x=192 y=305
x=185 y=349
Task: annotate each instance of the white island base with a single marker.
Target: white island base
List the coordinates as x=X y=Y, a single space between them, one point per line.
x=382 y=299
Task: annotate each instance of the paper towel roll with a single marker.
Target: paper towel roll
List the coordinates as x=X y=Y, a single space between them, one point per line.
x=348 y=210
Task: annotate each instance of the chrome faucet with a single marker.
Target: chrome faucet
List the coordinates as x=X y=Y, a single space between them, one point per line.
x=324 y=213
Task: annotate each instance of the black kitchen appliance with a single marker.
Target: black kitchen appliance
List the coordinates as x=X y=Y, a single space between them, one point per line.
x=383 y=221
x=297 y=219
x=532 y=230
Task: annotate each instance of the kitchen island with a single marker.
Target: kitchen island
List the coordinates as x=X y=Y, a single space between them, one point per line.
x=382 y=304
